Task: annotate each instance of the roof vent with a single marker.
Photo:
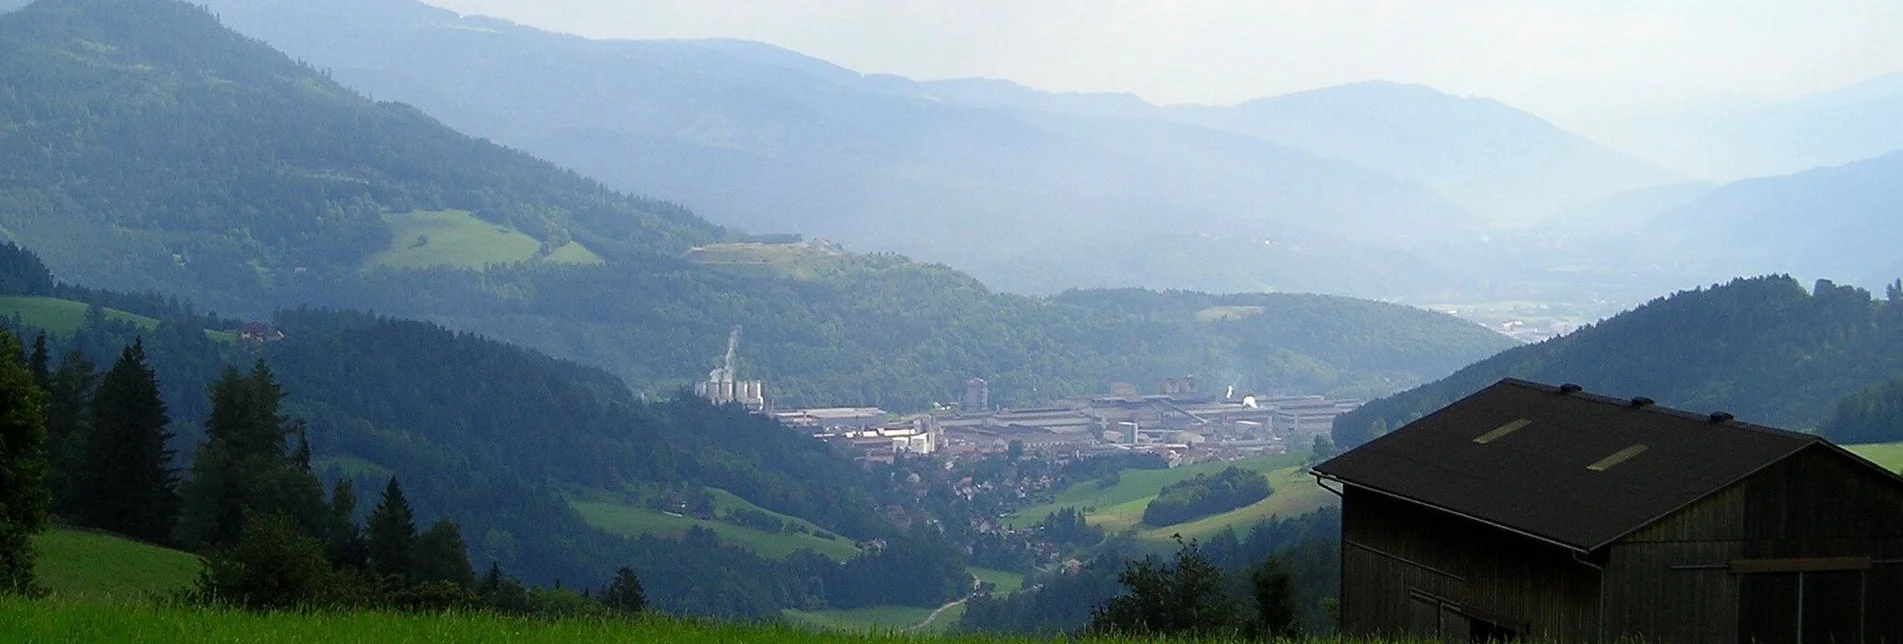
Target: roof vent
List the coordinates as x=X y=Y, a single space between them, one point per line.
x=1721 y=416
x=1642 y=401
x=1570 y=388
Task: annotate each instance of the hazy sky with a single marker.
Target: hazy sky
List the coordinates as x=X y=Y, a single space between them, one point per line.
x=1573 y=60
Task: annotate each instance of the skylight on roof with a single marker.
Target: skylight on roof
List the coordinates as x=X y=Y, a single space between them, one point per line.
x=1616 y=458
x=1502 y=431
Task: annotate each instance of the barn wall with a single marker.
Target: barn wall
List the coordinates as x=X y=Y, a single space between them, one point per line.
x=1412 y=571
x=1673 y=581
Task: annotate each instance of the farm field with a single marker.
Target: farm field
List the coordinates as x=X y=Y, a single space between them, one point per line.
x=92 y=567
x=457 y=239
x=63 y=317
x=1004 y=582
x=877 y=619
x=616 y=514
x=1120 y=506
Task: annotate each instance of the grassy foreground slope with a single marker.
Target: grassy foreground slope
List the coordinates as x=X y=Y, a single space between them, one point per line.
x=92 y=567
x=48 y=622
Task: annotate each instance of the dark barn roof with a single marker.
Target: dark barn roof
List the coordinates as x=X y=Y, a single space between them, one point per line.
x=1572 y=468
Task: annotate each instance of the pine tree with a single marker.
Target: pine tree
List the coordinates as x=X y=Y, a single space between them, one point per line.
x=624 y=596
x=441 y=555
x=244 y=465
x=344 y=543
x=125 y=479
x=392 y=535
x=38 y=363
x=68 y=419
x=1274 y=591
x=23 y=497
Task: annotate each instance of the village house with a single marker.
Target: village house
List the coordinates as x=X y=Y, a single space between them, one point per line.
x=1550 y=514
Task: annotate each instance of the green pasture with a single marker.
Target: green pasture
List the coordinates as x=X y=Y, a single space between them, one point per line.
x=1120 y=506
x=93 y=567
x=1005 y=581
x=1889 y=455
x=457 y=239
x=63 y=317
x=615 y=514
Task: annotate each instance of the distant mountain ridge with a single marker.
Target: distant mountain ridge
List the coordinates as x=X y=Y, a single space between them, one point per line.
x=1736 y=139
x=767 y=139
x=1483 y=154
x=1839 y=221
x=1764 y=349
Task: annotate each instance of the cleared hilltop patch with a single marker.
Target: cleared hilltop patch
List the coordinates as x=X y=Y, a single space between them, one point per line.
x=77 y=565
x=457 y=239
x=806 y=260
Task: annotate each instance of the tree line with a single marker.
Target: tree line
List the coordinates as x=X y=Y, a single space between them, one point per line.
x=1206 y=495
x=92 y=449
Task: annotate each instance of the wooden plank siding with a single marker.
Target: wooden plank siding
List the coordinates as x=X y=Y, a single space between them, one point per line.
x=1674 y=580
x=1400 y=558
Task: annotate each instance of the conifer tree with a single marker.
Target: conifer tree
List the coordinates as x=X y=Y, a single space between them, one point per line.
x=125 y=479
x=441 y=555
x=392 y=535
x=68 y=418
x=344 y=544
x=23 y=497
x=244 y=465
x=38 y=363
x=624 y=595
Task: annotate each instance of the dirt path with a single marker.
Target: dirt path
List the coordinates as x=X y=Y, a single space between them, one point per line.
x=975 y=583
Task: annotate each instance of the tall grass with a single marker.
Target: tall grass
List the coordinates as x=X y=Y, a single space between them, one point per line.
x=55 y=621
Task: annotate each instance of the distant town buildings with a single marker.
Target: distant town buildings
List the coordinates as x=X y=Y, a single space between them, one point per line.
x=1178 y=422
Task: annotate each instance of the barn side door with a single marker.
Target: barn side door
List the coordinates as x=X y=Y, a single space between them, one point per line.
x=1820 y=607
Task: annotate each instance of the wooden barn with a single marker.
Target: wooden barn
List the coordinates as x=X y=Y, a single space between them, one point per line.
x=1550 y=514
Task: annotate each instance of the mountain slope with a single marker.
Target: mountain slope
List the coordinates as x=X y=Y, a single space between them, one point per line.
x=1838 y=221
x=1482 y=154
x=1763 y=349
x=207 y=165
x=765 y=139
x=146 y=148
x=1738 y=139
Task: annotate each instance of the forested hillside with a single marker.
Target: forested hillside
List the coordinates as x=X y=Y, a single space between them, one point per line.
x=1764 y=349
x=148 y=148
x=494 y=437
x=214 y=168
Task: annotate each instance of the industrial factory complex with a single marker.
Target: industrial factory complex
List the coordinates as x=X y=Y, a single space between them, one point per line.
x=1176 y=420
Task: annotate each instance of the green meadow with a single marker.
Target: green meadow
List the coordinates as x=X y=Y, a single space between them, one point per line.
x=1889 y=455
x=616 y=514
x=76 y=565
x=1120 y=506
x=63 y=317
x=457 y=239
x=53 y=621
